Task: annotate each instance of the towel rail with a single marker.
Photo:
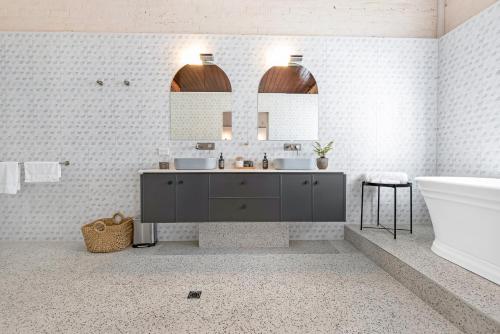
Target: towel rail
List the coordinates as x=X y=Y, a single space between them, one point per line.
x=62 y=163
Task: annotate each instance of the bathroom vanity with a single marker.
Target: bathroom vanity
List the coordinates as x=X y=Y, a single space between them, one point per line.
x=169 y=196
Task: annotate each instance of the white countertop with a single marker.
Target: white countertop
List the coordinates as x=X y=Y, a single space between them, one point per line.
x=238 y=170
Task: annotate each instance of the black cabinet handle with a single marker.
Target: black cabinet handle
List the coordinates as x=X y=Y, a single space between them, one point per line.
x=305 y=182
x=315 y=182
x=243 y=206
x=169 y=182
x=243 y=182
x=181 y=182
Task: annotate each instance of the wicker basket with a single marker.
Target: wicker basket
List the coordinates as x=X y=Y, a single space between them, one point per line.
x=108 y=234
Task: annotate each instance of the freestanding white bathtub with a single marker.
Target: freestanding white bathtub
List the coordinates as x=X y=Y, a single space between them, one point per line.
x=465 y=215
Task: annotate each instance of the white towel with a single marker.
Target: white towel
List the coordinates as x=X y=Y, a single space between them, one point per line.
x=386 y=177
x=42 y=171
x=10 y=177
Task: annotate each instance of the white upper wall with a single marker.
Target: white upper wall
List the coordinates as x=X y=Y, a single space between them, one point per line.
x=383 y=18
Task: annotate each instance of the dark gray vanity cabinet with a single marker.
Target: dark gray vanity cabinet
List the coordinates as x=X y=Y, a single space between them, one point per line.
x=328 y=197
x=296 y=197
x=158 y=198
x=191 y=201
x=244 y=197
x=313 y=197
x=222 y=196
x=244 y=185
x=244 y=209
x=167 y=198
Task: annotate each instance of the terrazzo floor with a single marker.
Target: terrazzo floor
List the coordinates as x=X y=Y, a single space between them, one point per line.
x=311 y=287
x=415 y=250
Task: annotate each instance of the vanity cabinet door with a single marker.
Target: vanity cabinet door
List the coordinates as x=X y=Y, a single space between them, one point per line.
x=328 y=197
x=192 y=197
x=157 y=198
x=244 y=185
x=245 y=209
x=296 y=197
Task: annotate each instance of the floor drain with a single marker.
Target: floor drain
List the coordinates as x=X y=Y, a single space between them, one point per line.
x=194 y=294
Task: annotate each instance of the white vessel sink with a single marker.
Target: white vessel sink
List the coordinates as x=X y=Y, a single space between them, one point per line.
x=195 y=163
x=294 y=163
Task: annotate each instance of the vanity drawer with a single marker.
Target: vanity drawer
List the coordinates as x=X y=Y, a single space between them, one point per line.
x=244 y=185
x=245 y=209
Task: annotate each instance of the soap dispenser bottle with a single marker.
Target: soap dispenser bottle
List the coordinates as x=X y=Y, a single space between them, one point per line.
x=265 y=162
x=221 y=162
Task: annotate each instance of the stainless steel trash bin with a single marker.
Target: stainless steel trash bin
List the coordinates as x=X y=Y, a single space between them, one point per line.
x=145 y=234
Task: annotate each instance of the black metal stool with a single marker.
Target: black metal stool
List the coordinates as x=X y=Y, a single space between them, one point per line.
x=388 y=185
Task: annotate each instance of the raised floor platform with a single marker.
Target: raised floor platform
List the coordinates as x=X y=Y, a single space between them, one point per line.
x=469 y=301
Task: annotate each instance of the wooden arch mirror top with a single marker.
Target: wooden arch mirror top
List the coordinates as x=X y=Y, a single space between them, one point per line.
x=289 y=80
x=200 y=78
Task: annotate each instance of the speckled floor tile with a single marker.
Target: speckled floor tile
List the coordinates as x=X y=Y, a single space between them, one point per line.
x=295 y=247
x=243 y=235
x=464 y=297
x=323 y=288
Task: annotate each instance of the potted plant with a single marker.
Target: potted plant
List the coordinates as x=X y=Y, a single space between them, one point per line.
x=321 y=151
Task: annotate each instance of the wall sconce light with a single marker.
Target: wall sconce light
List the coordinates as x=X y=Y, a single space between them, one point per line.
x=282 y=56
x=207 y=58
x=195 y=56
x=295 y=60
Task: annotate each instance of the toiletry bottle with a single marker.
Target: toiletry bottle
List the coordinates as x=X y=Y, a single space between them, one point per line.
x=265 y=162
x=221 y=162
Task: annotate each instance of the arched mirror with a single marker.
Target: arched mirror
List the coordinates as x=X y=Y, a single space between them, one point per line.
x=288 y=104
x=200 y=104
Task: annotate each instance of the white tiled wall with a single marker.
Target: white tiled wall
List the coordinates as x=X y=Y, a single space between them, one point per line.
x=377 y=101
x=469 y=98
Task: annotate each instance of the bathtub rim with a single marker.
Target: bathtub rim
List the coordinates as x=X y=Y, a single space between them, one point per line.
x=472 y=191
x=477 y=182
